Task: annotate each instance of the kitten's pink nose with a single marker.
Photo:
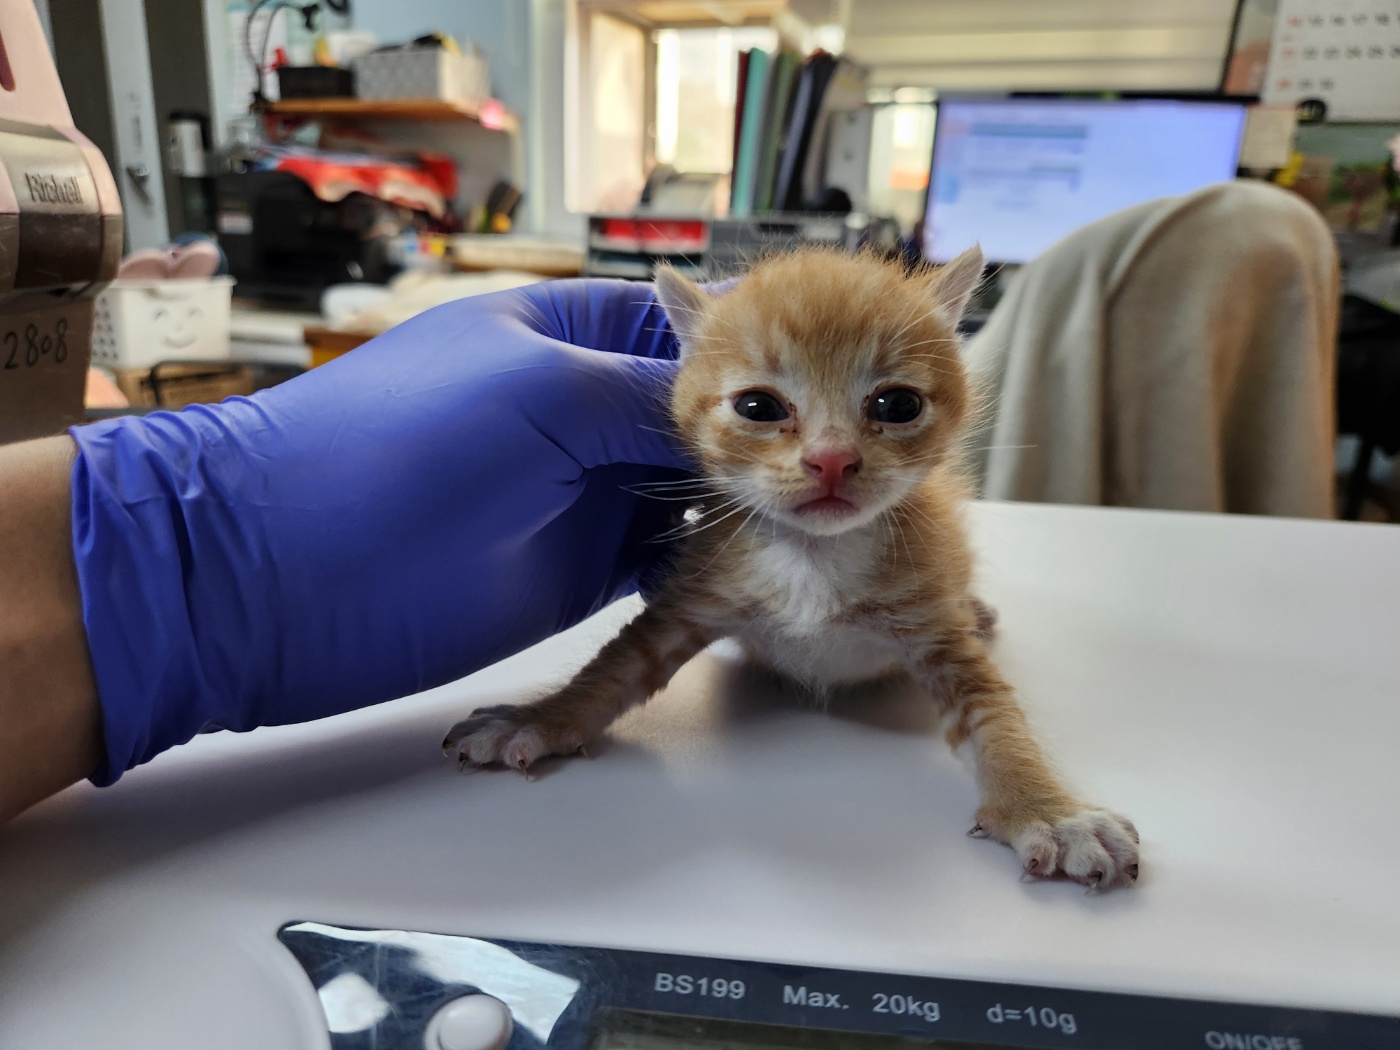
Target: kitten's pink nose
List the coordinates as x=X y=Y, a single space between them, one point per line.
x=832 y=466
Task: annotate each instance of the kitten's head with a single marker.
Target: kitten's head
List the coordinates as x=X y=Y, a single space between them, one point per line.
x=824 y=386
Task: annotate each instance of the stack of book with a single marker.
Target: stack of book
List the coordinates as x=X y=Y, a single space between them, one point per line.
x=780 y=110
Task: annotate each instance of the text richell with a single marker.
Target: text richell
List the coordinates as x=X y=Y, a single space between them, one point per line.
x=50 y=189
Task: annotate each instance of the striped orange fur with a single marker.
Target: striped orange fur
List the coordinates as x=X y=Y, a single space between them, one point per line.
x=829 y=540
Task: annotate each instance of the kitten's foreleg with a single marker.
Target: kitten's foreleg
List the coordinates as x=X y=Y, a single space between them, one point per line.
x=635 y=664
x=986 y=619
x=1024 y=804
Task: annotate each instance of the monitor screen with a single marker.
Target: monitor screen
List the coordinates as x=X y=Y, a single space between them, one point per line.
x=1017 y=175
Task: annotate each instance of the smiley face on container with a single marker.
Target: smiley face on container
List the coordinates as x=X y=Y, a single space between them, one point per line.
x=177 y=325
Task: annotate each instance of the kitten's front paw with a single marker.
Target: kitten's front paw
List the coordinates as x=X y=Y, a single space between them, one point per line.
x=509 y=736
x=1092 y=846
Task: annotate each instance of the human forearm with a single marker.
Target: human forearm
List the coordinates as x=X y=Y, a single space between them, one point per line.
x=50 y=721
x=452 y=492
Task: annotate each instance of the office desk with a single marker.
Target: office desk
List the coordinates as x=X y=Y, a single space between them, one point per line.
x=1231 y=684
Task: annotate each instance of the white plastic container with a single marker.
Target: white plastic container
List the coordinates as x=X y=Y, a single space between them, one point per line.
x=421 y=73
x=141 y=323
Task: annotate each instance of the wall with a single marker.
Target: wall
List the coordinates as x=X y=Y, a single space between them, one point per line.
x=544 y=125
x=524 y=42
x=42 y=6
x=179 y=78
x=81 y=58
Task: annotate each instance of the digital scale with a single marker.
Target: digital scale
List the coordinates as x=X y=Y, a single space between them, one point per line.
x=419 y=991
x=732 y=872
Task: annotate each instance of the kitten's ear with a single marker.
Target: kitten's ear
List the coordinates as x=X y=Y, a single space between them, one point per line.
x=954 y=283
x=685 y=303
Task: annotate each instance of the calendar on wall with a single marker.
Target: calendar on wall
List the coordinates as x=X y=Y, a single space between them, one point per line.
x=1344 y=52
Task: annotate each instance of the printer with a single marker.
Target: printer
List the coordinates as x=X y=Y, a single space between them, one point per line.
x=286 y=246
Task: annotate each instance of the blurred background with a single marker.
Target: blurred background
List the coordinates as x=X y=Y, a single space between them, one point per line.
x=298 y=175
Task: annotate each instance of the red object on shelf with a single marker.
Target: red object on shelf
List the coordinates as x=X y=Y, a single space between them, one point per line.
x=662 y=236
x=427 y=187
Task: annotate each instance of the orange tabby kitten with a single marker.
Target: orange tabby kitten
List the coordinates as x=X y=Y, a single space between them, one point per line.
x=823 y=397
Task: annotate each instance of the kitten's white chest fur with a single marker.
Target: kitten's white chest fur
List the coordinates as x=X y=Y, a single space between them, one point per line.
x=805 y=584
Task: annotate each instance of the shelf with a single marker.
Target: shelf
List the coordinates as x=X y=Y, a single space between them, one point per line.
x=491 y=115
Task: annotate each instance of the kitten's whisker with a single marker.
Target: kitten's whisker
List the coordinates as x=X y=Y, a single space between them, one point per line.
x=703 y=511
x=937 y=527
x=688 y=528
x=894 y=520
x=947 y=340
x=929 y=357
x=926 y=315
x=930 y=342
x=727 y=542
x=702 y=313
x=682 y=483
x=692 y=497
x=711 y=524
x=680 y=494
x=730 y=454
x=663 y=431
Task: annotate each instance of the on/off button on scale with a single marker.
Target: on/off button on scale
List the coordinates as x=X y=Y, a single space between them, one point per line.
x=473 y=1022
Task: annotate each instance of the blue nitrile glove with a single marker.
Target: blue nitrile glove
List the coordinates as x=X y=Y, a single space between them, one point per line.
x=448 y=494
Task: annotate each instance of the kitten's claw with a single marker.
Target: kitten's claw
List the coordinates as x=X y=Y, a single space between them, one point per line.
x=977 y=831
x=514 y=737
x=1091 y=846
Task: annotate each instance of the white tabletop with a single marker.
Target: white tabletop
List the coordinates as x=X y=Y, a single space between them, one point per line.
x=1231 y=684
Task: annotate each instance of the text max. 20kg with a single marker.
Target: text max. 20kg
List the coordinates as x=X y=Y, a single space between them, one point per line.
x=904 y=1005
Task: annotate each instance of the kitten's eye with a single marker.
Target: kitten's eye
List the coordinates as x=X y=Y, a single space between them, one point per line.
x=759 y=406
x=900 y=405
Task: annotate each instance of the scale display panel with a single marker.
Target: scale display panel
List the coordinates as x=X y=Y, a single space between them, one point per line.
x=398 y=989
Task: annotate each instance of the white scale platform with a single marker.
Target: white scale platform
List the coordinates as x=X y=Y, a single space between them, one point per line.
x=1231 y=684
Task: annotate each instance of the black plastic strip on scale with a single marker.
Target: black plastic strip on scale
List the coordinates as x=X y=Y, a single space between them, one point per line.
x=933 y=1008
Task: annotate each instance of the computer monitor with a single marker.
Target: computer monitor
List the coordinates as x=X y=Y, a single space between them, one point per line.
x=1017 y=175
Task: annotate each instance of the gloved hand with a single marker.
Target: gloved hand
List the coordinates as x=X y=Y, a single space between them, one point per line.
x=446 y=495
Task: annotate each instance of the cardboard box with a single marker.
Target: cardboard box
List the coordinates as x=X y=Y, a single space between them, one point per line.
x=43 y=369
x=60 y=239
x=177 y=384
x=329 y=343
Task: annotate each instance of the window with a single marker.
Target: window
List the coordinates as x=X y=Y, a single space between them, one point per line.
x=696 y=76
x=901 y=150
x=618 y=63
x=605 y=127
x=646 y=96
